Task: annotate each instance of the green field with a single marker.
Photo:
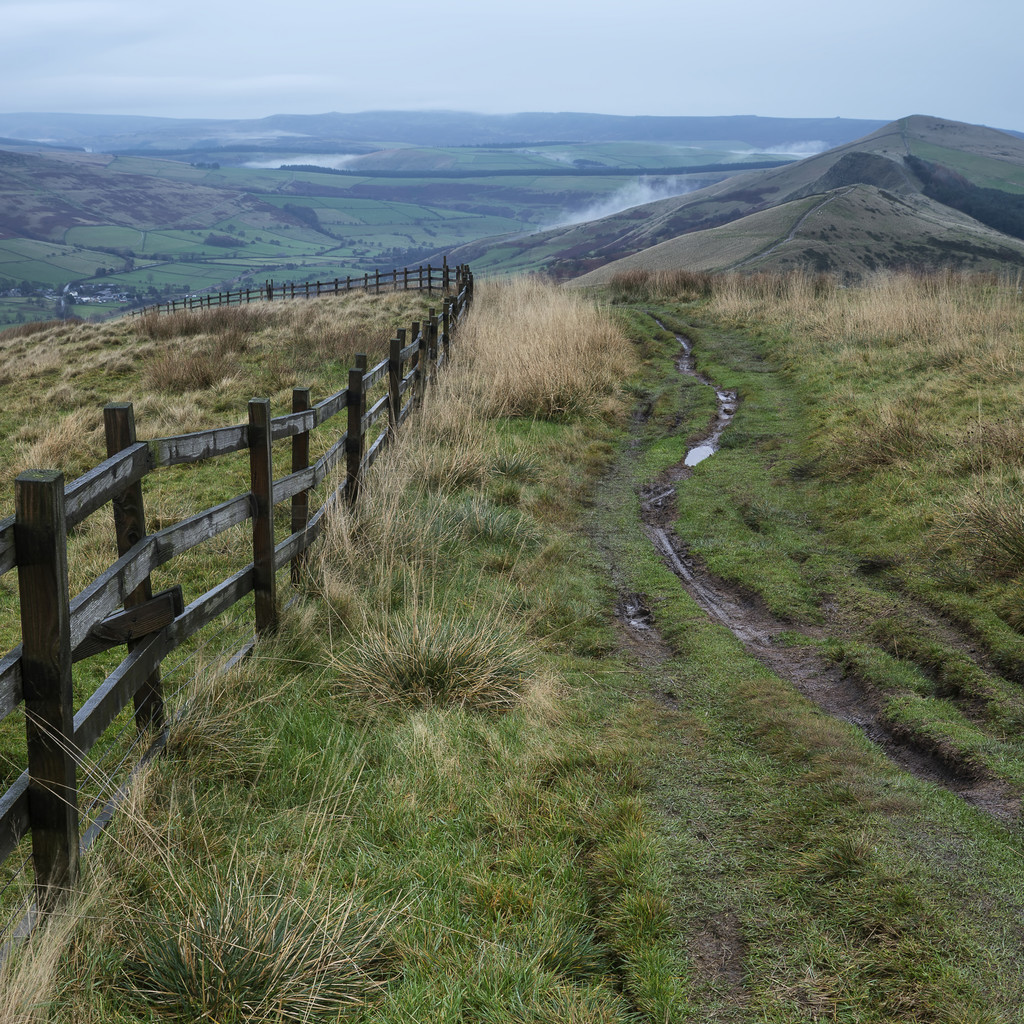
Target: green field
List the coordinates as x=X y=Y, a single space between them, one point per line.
x=158 y=228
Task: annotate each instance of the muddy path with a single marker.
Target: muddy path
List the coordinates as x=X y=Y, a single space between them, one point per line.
x=830 y=688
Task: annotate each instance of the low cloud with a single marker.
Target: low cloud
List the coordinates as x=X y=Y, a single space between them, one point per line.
x=636 y=193
x=333 y=161
x=810 y=147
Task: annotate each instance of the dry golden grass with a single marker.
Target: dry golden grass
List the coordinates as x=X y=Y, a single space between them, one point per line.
x=537 y=351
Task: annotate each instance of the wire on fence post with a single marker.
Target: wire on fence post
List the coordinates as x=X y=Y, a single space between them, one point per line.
x=261 y=471
x=300 y=461
x=41 y=539
x=130 y=528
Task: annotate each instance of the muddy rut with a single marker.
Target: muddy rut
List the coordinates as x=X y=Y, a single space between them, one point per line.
x=835 y=692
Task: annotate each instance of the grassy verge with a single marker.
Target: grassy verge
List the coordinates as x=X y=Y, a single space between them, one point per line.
x=424 y=797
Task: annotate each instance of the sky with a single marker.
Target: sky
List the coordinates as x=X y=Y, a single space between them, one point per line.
x=878 y=59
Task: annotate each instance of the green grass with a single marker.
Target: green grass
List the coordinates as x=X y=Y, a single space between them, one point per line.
x=450 y=761
x=811 y=879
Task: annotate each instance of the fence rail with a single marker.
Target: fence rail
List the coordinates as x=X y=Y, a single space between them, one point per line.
x=118 y=608
x=427 y=279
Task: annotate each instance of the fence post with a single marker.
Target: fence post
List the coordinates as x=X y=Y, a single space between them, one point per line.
x=300 y=461
x=40 y=532
x=395 y=383
x=355 y=445
x=405 y=279
x=446 y=276
x=414 y=364
x=430 y=280
x=432 y=344
x=130 y=528
x=261 y=472
x=446 y=328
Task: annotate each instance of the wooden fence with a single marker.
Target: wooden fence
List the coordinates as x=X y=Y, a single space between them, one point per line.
x=423 y=279
x=119 y=608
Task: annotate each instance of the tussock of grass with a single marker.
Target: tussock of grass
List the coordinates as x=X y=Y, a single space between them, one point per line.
x=423 y=659
x=640 y=285
x=248 y=951
x=992 y=525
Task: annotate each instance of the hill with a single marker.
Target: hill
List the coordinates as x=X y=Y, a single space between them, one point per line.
x=875 y=205
x=383 y=129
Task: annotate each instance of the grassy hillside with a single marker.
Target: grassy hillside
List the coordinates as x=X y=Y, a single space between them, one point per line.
x=502 y=765
x=854 y=230
x=867 y=234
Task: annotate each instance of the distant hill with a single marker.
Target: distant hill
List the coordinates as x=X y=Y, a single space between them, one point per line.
x=384 y=129
x=866 y=204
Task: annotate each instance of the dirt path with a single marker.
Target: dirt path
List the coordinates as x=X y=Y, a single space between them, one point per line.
x=792 y=231
x=835 y=692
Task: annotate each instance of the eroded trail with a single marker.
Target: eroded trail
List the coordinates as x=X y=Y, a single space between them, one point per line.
x=834 y=691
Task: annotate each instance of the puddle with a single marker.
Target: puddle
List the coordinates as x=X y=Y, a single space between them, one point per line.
x=727 y=402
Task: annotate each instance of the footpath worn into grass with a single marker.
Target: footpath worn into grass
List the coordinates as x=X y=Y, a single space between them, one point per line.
x=813 y=880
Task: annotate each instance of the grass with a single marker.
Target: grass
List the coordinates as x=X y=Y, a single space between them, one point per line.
x=811 y=880
x=498 y=809
x=422 y=794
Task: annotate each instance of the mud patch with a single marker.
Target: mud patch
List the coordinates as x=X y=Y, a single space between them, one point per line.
x=718 y=950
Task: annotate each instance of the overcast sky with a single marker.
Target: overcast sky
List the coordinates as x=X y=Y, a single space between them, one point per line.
x=790 y=58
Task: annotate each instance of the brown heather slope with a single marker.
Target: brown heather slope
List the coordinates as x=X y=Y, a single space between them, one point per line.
x=719 y=212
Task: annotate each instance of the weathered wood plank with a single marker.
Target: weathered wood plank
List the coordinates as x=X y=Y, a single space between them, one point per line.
x=356 y=445
x=94 y=489
x=294 y=483
x=130 y=527
x=131 y=624
x=117 y=690
x=8 y=557
x=330 y=459
x=295 y=544
x=333 y=499
x=409 y=349
x=375 y=449
x=10 y=682
x=300 y=465
x=109 y=590
x=14 y=820
x=41 y=529
x=261 y=484
x=375 y=412
x=204 y=609
x=379 y=372
x=331 y=406
x=293 y=423
x=203 y=444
